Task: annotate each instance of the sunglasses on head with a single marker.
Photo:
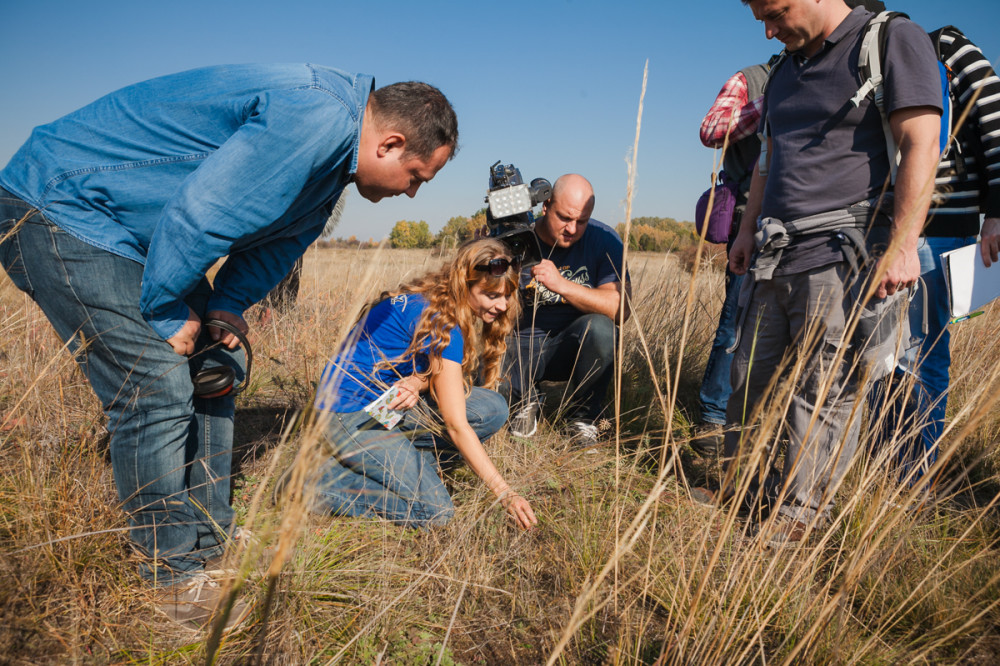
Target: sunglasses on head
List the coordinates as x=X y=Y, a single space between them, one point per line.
x=497 y=267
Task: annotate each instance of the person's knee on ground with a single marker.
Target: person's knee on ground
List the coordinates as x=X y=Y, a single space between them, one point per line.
x=486 y=411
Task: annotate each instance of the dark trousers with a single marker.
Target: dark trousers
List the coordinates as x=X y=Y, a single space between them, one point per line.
x=583 y=354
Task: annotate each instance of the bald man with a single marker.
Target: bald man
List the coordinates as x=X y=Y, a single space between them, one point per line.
x=572 y=301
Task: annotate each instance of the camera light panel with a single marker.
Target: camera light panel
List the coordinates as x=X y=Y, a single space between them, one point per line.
x=509 y=201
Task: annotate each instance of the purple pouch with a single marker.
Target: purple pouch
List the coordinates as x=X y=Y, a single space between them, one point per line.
x=720 y=219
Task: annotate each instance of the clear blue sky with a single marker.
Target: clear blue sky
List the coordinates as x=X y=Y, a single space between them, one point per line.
x=551 y=86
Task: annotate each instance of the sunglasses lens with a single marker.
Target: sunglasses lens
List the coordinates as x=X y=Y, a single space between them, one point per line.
x=497 y=267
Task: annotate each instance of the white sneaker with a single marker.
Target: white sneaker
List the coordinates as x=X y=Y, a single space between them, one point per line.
x=524 y=423
x=582 y=434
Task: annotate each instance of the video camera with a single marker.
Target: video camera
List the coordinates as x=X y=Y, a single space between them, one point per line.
x=509 y=216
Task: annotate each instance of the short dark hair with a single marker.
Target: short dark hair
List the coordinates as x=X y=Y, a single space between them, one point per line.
x=421 y=112
x=870 y=5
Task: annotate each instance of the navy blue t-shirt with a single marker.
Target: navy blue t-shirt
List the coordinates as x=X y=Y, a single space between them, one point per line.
x=350 y=381
x=593 y=260
x=826 y=154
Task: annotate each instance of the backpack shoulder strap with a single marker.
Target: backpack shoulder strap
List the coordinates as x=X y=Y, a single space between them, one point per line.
x=772 y=66
x=936 y=36
x=871 y=59
x=756 y=77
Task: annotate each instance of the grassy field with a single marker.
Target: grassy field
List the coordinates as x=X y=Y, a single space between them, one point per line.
x=623 y=569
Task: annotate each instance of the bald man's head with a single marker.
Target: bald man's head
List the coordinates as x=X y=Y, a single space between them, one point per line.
x=566 y=213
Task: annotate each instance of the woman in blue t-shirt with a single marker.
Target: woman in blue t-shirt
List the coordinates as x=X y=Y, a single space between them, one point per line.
x=431 y=336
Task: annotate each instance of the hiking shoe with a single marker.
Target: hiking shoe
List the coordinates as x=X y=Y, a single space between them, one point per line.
x=785 y=532
x=707 y=440
x=582 y=433
x=195 y=602
x=525 y=422
x=705 y=496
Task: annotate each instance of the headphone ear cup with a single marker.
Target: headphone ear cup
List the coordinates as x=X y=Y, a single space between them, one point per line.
x=214 y=382
x=218 y=381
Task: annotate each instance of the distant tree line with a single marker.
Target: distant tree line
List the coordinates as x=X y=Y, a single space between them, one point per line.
x=457 y=230
x=659 y=234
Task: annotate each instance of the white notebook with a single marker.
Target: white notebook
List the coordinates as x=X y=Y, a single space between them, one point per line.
x=970 y=284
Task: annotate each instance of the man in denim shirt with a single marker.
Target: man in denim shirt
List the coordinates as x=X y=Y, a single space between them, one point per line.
x=111 y=216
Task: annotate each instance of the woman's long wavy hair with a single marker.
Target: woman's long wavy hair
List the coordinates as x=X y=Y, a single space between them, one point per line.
x=447 y=293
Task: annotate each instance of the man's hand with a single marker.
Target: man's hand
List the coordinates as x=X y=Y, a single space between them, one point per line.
x=902 y=272
x=740 y=253
x=990 y=243
x=547 y=275
x=227 y=339
x=183 y=340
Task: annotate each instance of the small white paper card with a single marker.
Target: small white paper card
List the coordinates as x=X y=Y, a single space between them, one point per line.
x=379 y=409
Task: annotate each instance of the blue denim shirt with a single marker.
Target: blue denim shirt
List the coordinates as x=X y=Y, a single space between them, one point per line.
x=176 y=172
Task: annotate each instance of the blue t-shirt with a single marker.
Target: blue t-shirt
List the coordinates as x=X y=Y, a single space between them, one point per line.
x=350 y=381
x=593 y=260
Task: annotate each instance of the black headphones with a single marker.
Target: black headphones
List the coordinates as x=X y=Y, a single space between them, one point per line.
x=218 y=381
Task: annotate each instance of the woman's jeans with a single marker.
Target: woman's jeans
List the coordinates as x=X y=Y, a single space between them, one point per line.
x=928 y=360
x=394 y=473
x=170 y=453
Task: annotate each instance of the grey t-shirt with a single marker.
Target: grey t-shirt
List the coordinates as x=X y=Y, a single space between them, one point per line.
x=826 y=154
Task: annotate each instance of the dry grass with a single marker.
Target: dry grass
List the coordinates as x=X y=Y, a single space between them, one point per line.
x=619 y=571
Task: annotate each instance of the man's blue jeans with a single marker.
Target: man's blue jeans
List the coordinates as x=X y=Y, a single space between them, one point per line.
x=929 y=359
x=583 y=354
x=394 y=473
x=170 y=453
x=716 y=386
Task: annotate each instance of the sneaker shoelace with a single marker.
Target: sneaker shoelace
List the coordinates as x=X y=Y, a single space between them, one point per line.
x=198 y=583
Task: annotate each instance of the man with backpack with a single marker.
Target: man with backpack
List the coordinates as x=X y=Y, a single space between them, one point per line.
x=829 y=250
x=731 y=124
x=968 y=184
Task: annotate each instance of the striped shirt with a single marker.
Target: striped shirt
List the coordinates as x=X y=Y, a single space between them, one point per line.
x=959 y=199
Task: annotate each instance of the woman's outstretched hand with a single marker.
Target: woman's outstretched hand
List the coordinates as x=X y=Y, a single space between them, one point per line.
x=519 y=509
